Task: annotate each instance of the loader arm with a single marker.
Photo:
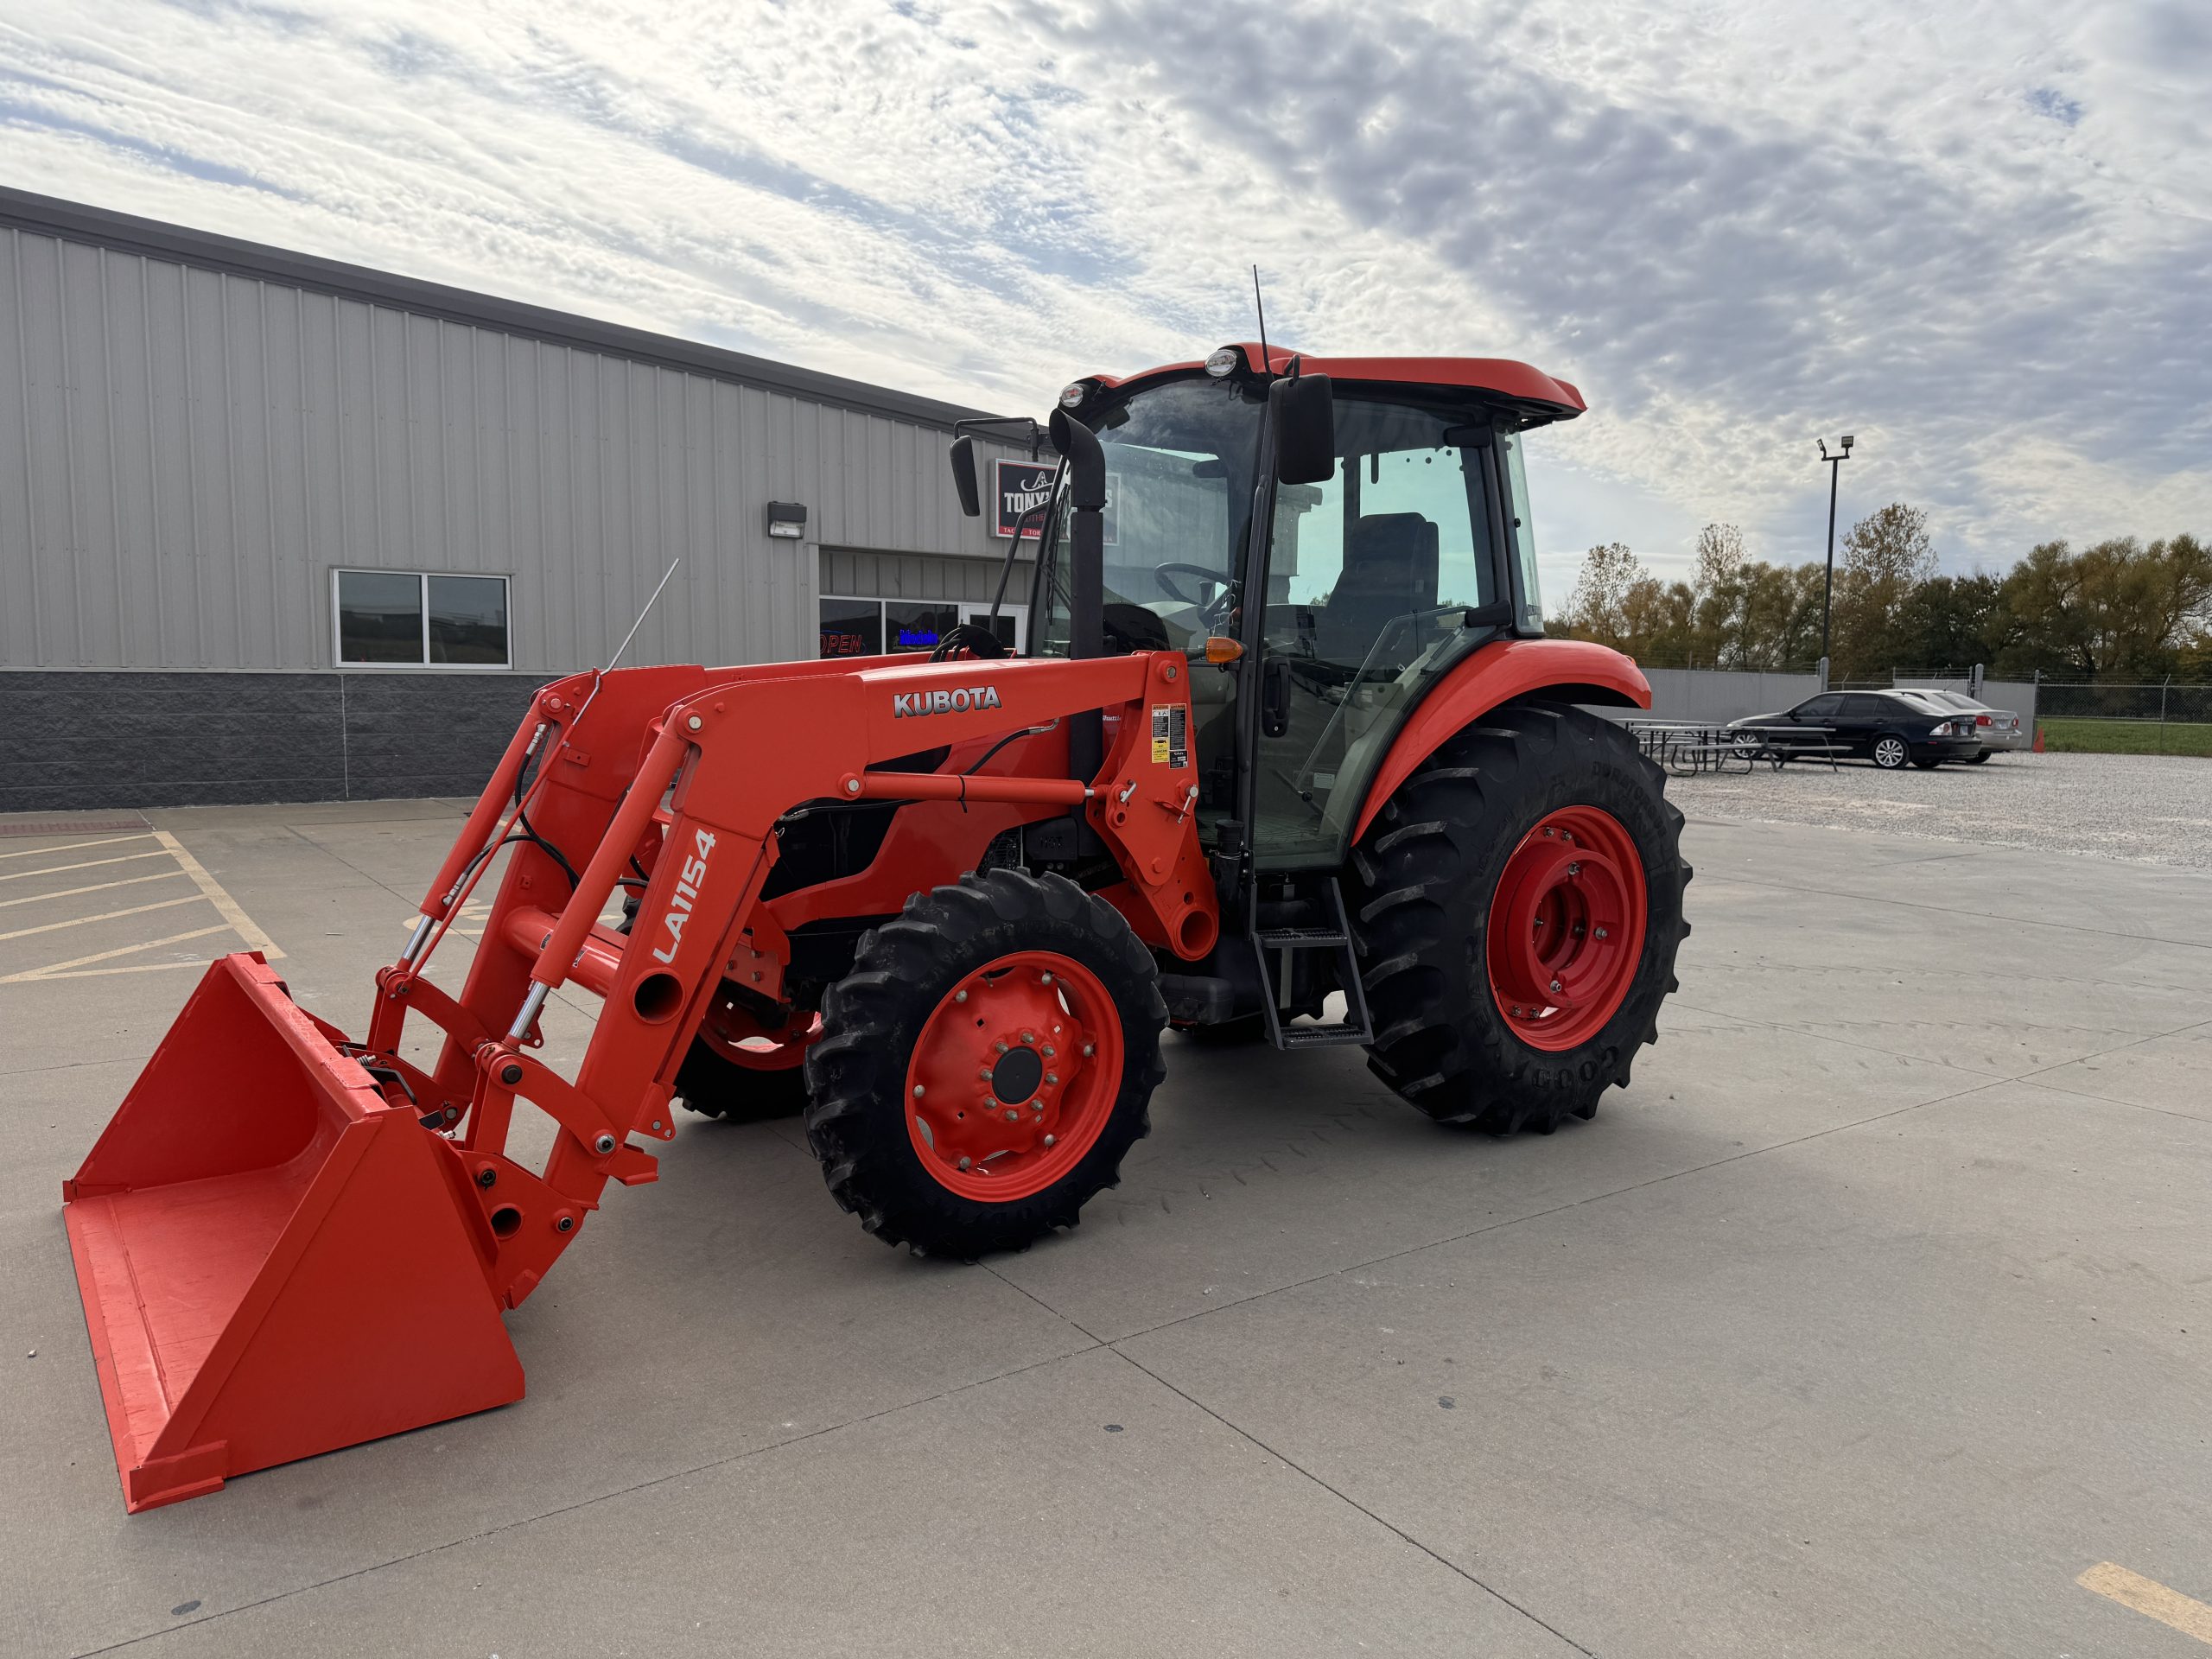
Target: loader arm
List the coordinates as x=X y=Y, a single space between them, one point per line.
x=287 y=1241
x=720 y=763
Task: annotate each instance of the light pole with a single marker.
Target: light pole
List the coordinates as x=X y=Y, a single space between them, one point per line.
x=1827 y=587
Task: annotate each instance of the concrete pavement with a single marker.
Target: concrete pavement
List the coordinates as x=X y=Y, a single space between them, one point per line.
x=1869 y=1318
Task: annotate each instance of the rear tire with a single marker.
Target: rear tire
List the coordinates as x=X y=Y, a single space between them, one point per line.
x=1978 y=757
x=1929 y=765
x=1427 y=876
x=1891 y=752
x=1005 y=1106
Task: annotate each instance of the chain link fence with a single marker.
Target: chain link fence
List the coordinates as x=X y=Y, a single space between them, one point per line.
x=2151 y=717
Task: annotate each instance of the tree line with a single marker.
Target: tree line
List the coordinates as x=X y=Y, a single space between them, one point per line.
x=2121 y=610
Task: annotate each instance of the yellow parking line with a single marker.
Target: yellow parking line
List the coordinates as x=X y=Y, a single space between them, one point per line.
x=58 y=970
x=97 y=886
x=88 y=864
x=225 y=906
x=2151 y=1598
x=75 y=846
x=104 y=916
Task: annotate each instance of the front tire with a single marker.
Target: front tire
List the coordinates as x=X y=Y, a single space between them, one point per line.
x=741 y=1072
x=1481 y=1018
x=987 y=1064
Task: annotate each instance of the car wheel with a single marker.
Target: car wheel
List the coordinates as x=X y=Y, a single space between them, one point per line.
x=1929 y=764
x=1980 y=756
x=1891 y=753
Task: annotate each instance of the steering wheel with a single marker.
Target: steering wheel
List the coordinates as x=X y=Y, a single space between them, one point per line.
x=1212 y=612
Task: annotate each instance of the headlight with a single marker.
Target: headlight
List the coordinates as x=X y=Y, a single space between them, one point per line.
x=1227 y=360
x=1073 y=393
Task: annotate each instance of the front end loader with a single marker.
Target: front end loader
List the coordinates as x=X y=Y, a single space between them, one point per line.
x=1285 y=760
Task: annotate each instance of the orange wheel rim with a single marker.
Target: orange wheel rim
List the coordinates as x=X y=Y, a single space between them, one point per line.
x=1567 y=928
x=736 y=1037
x=1014 y=1076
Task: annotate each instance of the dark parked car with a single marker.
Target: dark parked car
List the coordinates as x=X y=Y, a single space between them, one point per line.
x=1883 y=727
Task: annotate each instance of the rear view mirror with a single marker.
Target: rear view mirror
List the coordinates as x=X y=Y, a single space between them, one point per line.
x=1303 y=414
x=963 y=476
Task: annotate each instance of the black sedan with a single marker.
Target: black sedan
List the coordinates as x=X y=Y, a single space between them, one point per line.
x=1878 y=726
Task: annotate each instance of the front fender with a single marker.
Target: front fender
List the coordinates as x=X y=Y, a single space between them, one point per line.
x=1573 y=670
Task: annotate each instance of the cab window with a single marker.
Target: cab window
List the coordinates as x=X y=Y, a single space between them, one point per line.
x=1372 y=574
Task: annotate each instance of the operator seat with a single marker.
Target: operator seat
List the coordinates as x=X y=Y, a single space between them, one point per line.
x=1389 y=571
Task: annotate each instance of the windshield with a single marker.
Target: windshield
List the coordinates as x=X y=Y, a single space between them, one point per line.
x=1179 y=466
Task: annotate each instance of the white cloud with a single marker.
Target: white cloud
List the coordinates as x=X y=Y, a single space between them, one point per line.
x=1975 y=235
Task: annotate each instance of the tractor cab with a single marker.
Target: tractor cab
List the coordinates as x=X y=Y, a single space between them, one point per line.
x=1322 y=539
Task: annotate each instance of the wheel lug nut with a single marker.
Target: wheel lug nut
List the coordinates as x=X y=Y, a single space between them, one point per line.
x=1049 y=1140
x=1047 y=1050
x=917 y=1091
x=1013 y=1115
x=1045 y=980
x=1090 y=1049
x=964 y=1163
x=1028 y=1036
x=999 y=1045
x=1052 y=1076
x=960 y=996
x=985 y=1074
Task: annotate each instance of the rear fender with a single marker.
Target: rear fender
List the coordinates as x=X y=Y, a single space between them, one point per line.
x=1571 y=671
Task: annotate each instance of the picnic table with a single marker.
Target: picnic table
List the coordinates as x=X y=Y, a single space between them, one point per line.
x=1686 y=749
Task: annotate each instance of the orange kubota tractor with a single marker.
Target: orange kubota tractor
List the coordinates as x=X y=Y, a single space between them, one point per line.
x=1288 y=730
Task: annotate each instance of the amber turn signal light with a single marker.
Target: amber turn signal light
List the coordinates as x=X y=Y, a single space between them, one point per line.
x=1219 y=650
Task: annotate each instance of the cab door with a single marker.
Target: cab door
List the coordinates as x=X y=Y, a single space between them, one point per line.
x=1370 y=579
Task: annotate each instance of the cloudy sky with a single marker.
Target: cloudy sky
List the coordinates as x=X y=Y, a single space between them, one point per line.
x=1978 y=235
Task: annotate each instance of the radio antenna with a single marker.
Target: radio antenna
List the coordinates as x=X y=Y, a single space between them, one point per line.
x=1266 y=362
x=640 y=622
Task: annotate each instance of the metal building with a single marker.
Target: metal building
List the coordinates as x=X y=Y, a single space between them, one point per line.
x=278 y=528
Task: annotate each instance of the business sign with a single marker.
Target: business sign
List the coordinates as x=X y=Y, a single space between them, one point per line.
x=1016 y=488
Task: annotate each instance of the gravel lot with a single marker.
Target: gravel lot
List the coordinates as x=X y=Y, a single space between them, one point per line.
x=2145 y=809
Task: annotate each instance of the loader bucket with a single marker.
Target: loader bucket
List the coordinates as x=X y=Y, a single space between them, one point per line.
x=275 y=1261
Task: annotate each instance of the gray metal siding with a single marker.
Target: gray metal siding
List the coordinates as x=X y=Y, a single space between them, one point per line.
x=855 y=572
x=186 y=455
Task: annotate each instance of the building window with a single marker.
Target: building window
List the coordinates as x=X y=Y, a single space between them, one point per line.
x=874 y=627
x=852 y=627
x=916 y=625
x=414 y=619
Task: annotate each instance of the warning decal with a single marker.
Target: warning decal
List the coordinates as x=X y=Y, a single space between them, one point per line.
x=1171 y=735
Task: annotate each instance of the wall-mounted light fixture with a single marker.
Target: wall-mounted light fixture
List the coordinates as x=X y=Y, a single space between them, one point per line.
x=788 y=520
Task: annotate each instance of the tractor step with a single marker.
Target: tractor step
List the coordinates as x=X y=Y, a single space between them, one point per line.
x=1290 y=1036
x=1334 y=934
x=1299 y=938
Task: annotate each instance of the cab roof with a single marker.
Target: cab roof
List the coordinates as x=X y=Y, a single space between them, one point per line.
x=1542 y=395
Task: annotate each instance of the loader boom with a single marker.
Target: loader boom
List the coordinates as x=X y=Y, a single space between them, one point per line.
x=228 y=1225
